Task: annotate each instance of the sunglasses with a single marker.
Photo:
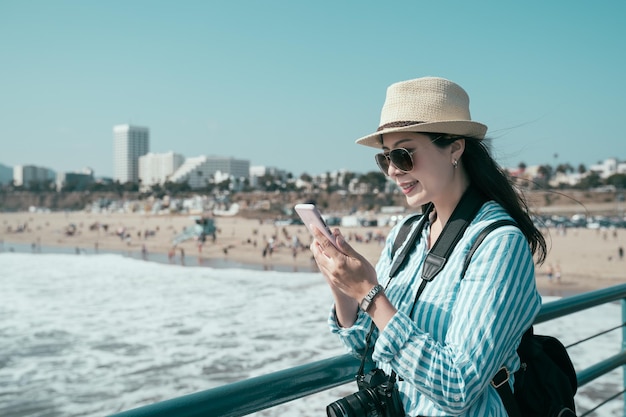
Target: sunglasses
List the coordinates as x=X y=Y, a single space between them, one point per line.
x=399 y=157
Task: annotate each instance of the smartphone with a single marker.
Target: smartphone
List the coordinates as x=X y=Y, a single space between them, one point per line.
x=310 y=215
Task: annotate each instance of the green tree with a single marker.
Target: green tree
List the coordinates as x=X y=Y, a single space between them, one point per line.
x=224 y=185
x=175 y=188
x=375 y=179
x=564 y=168
x=268 y=182
x=99 y=187
x=130 y=187
x=347 y=178
x=591 y=180
x=618 y=180
x=545 y=171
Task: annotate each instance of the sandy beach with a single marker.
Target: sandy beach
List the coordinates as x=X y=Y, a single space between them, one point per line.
x=579 y=259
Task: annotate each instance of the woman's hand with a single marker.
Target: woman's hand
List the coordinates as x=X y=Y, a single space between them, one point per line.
x=350 y=277
x=346 y=270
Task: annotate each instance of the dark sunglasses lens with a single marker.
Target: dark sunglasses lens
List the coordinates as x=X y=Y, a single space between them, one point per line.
x=383 y=162
x=402 y=159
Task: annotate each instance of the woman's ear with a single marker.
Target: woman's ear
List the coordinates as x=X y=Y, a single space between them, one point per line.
x=457 y=148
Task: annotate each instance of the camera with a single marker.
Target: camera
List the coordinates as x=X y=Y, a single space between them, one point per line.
x=377 y=396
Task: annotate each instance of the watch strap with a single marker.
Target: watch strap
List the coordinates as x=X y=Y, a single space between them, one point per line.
x=367 y=300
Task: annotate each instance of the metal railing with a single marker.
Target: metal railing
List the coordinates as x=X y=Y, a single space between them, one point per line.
x=266 y=391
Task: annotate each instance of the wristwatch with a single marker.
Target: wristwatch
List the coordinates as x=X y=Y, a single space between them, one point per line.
x=367 y=300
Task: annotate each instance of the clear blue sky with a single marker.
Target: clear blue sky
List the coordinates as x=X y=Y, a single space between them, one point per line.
x=293 y=84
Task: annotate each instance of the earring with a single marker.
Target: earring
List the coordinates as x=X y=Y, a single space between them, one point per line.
x=455 y=163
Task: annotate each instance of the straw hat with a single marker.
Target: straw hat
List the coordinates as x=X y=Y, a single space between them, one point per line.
x=428 y=104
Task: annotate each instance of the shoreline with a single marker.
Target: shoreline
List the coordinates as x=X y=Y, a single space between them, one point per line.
x=554 y=289
x=586 y=259
x=159 y=258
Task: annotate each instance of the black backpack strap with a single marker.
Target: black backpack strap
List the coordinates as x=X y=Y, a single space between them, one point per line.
x=402 y=257
x=483 y=234
x=404 y=232
x=501 y=380
x=461 y=217
x=501 y=383
x=400 y=260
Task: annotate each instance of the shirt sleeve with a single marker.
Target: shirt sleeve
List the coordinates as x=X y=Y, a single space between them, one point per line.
x=352 y=338
x=496 y=302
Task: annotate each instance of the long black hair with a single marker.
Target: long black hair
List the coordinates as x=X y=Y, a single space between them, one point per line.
x=493 y=182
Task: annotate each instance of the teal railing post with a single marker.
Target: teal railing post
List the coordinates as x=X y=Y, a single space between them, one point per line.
x=623 y=349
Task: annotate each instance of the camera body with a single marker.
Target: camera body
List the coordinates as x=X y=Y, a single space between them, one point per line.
x=377 y=396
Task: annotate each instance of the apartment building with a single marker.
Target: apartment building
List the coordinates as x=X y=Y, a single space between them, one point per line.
x=129 y=143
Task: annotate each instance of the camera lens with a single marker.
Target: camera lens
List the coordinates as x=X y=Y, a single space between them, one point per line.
x=361 y=403
x=337 y=409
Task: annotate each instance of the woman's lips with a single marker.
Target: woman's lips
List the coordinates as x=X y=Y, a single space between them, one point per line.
x=407 y=187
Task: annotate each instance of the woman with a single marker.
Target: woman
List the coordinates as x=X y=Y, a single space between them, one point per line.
x=446 y=347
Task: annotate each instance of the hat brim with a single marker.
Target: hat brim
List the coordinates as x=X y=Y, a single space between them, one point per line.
x=452 y=127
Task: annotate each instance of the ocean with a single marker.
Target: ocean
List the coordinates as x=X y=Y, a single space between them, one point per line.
x=96 y=334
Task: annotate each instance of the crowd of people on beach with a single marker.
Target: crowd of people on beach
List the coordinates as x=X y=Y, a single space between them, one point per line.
x=294 y=240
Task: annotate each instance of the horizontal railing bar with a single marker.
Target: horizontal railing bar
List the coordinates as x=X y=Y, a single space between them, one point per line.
x=258 y=393
x=266 y=391
x=579 y=302
x=601 y=368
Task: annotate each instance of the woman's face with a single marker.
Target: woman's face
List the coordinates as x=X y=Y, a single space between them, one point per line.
x=433 y=171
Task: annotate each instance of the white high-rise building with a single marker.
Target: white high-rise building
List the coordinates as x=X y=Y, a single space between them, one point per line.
x=158 y=168
x=129 y=143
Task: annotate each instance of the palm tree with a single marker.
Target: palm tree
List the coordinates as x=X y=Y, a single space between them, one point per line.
x=545 y=171
x=564 y=168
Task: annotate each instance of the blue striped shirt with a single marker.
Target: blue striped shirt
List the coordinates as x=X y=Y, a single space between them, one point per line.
x=463 y=329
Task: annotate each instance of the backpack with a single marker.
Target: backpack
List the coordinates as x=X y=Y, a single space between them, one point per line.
x=546 y=382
